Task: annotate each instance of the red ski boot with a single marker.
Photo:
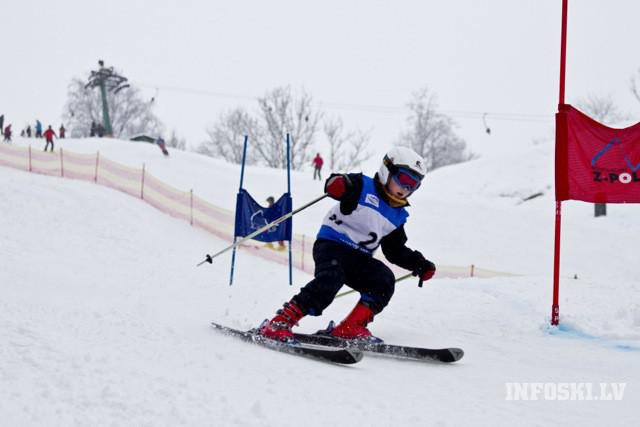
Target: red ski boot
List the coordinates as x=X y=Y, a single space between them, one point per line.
x=279 y=328
x=354 y=326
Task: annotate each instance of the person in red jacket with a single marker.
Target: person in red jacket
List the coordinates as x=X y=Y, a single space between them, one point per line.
x=317 y=166
x=48 y=135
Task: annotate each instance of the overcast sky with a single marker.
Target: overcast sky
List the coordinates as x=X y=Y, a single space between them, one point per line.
x=359 y=59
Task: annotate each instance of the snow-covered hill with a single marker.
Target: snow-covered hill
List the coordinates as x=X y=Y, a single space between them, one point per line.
x=104 y=317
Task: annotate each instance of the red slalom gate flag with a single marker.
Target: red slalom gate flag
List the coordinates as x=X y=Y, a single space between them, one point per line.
x=596 y=163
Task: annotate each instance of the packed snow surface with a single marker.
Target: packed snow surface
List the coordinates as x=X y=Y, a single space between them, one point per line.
x=104 y=318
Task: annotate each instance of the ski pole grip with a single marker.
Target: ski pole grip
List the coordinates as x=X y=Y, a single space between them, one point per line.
x=208 y=259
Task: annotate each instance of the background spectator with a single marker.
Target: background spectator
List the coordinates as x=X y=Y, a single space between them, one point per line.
x=317 y=166
x=7 y=133
x=48 y=135
x=38 y=129
x=281 y=247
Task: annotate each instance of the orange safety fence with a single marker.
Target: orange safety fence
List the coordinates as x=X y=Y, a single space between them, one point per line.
x=14 y=157
x=184 y=205
x=138 y=182
x=121 y=177
x=78 y=166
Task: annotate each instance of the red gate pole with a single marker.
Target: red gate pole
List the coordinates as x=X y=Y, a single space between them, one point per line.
x=555 y=307
x=563 y=51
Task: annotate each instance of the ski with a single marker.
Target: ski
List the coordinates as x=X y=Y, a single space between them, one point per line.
x=316 y=351
x=444 y=355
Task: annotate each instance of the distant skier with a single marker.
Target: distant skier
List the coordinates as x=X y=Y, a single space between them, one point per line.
x=7 y=133
x=281 y=246
x=371 y=213
x=38 y=129
x=48 y=135
x=92 y=131
x=2 y=122
x=162 y=145
x=29 y=131
x=317 y=166
x=62 y=131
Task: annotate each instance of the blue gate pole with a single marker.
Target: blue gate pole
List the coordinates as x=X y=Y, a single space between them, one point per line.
x=233 y=254
x=290 y=219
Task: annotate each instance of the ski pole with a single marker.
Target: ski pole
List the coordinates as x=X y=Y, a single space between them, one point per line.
x=209 y=258
x=399 y=279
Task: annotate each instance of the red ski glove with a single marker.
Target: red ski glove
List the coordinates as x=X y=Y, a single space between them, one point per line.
x=337 y=186
x=425 y=271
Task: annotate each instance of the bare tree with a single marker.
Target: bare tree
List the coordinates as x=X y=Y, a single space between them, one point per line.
x=285 y=112
x=635 y=85
x=176 y=142
x=226 y=137
x=431 y=134
x=346 y=150
x=130 y=115
x=333 y=129
x=602 y=108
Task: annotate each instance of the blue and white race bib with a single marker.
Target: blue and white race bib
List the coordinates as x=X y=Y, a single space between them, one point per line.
x=363 y=229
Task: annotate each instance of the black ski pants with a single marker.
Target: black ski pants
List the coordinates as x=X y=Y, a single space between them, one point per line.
x=49 y=141
x=338 y=264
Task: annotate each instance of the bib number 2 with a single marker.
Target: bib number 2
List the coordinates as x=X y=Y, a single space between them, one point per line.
x=372 y=241
x=369 y=244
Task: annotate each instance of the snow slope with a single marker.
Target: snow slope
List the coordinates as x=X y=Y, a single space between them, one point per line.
x=104 y=318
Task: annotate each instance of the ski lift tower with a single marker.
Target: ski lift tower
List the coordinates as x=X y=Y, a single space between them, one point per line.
x=107 y=80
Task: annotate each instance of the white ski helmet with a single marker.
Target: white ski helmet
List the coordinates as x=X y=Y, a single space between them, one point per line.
x=399 y=158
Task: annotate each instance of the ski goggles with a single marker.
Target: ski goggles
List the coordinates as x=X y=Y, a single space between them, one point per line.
x=406 y=179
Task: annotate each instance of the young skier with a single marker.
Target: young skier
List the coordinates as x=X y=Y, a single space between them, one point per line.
x=371 y=213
